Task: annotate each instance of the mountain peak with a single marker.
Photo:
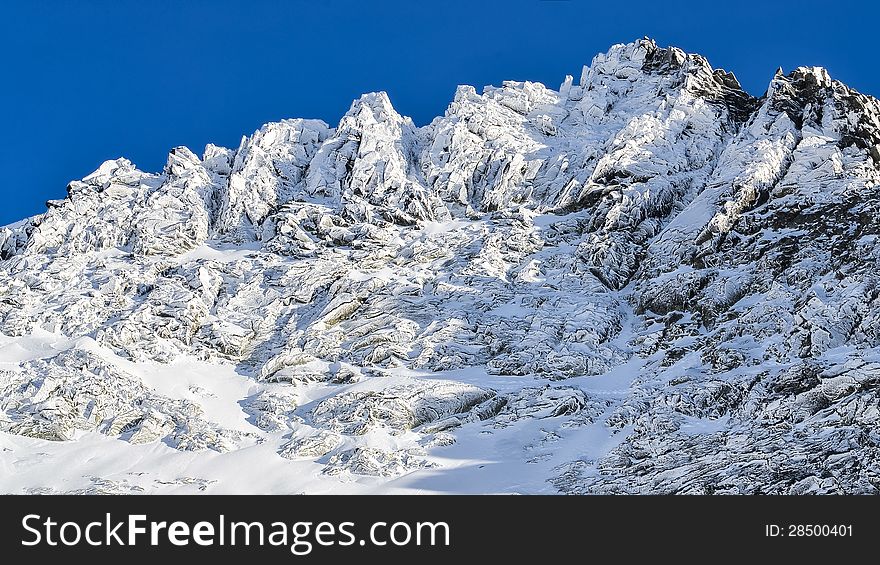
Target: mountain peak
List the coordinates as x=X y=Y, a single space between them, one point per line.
x=374 y=106
x=107 y=170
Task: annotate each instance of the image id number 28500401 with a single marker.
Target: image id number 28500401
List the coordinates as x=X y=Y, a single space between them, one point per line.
x=808 y=530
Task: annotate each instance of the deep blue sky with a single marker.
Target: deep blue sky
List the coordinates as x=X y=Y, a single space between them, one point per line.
x=82 y=82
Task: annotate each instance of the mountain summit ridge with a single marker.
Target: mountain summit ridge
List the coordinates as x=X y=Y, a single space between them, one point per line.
x=648 y=281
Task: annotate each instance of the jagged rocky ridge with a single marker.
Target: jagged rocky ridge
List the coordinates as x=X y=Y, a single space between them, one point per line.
x=652 y=224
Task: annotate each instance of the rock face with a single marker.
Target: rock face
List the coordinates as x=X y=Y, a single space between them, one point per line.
x=697 y=265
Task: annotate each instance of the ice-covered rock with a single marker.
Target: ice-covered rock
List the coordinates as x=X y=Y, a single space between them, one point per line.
x=375 y=462
x=78 y=391
x=397 y=408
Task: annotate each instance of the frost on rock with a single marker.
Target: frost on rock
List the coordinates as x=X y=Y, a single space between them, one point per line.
x=647 y=257
x=548 y=402
x=311 y=446
x=397 y=408
x=77 y=391
x=374 y=462
x=272 y=410
x=266 y=171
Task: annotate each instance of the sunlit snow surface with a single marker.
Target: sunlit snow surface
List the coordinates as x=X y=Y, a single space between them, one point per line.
x=484 y=458
x=646 y=281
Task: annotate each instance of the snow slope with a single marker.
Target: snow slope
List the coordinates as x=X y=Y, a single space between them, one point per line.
x=647 y=281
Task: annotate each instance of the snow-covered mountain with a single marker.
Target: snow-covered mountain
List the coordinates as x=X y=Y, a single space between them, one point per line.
x=646 y=281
